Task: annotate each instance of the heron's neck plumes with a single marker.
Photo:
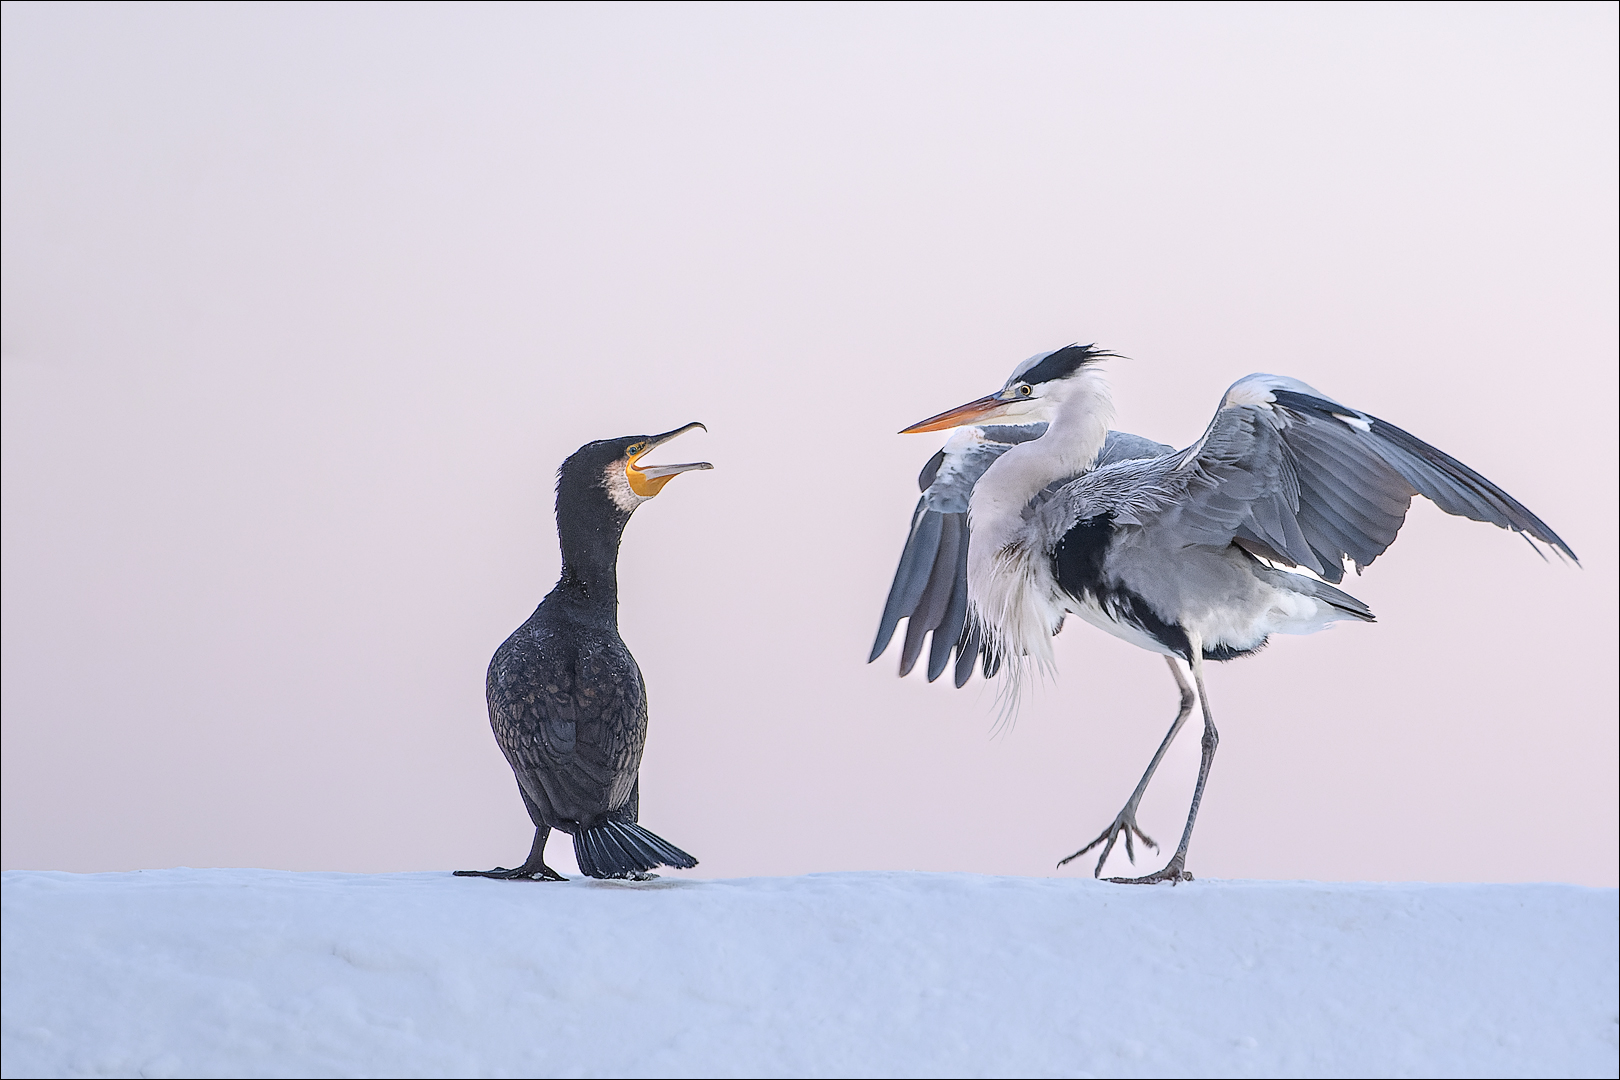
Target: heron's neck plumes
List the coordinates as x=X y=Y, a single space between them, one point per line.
x=1010 y=586
x=1078 y=424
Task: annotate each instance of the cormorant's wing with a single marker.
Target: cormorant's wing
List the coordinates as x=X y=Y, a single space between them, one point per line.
x=572 y=723
x=930 y=584
x=1297 y=478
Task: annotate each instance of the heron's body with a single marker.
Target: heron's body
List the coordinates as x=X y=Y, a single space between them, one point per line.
x=1197 y=554
x=1105 y=573
x=566 y=698
x=1107 y=547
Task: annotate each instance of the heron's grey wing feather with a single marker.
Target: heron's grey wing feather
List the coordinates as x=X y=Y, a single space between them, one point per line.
x=936 y=594
x=911 y=569
x=1309 y=479
x=1340 y=459
x=1240 y=478
x=1330 y=539
x=925 y=479
x=1277 y=518
x=947 y=483
x=948 y=634
x=967 y=651
x=1314 y=490
x=1436 y=475
x=1123 y=446
x=1356 y=501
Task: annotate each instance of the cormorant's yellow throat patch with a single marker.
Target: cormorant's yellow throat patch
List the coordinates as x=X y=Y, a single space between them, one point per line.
x=649 y=481
x=640 y=483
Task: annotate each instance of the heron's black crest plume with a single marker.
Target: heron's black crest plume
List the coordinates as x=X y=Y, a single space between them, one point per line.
x=1065 y=362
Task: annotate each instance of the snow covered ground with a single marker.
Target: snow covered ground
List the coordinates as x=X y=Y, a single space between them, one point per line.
x=267 y=973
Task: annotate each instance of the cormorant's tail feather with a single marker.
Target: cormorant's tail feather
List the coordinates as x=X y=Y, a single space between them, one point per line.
x=616 y=849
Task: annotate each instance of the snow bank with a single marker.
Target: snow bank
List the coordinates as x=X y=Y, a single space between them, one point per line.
x=264 y=973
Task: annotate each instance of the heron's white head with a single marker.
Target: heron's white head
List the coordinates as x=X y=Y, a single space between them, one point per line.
x=1011 y=591
x=1037 y=390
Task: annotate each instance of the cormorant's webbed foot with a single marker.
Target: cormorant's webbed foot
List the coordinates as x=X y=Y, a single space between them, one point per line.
x=1124 y=825
x=1174 y=873
x=534 y=868
x=522 y=873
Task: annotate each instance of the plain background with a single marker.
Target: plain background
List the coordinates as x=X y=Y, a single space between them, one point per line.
x=304 y=304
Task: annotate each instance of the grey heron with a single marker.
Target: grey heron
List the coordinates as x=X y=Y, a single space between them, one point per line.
x=566 y=699
x=1035 y=510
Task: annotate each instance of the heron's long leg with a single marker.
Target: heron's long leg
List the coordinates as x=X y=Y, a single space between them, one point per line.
x=1125 y=824
x=1176 y=869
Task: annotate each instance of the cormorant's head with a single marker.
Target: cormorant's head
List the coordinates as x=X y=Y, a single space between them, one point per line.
x=1031 y=395
x=616 y=467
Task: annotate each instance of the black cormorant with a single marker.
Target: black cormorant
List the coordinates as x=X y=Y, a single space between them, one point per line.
x=565 y=696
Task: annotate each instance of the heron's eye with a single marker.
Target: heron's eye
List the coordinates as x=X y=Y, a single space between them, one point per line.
x=1025 y=390
x=636 y=449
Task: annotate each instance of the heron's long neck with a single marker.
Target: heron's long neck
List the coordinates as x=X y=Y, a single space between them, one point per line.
x=1078 y=426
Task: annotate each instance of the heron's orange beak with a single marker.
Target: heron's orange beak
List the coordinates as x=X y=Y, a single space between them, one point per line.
x=974 y=412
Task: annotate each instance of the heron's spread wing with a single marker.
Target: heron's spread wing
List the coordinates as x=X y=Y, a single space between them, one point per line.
x=930 y=584
x=1294 y=477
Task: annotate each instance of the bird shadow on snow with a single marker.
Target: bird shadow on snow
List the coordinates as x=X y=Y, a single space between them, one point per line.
x=652 y=885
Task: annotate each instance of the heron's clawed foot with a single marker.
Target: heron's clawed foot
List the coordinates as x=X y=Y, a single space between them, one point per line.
x=1124 y=825
x=522 y=873
x=1174 y=873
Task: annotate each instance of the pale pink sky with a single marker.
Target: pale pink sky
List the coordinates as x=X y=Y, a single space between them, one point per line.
x=303 y=306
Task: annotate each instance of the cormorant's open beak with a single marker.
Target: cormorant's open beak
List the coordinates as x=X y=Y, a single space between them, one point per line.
x=974 y=412
x=648 y=480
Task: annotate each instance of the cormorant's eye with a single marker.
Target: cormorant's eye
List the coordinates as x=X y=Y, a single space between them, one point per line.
x=1025 y=390
x=636 y=449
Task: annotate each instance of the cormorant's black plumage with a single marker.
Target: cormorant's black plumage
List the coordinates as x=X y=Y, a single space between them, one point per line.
x=566 y=699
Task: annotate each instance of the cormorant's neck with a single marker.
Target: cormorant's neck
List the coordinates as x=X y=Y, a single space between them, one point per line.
x=589 y=585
